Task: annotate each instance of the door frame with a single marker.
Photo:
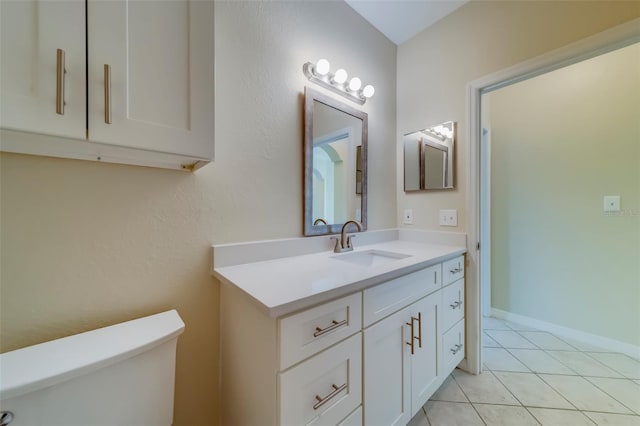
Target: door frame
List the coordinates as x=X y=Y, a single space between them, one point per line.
x=478 y=222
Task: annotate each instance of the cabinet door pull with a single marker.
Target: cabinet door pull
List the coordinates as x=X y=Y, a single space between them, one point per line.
x=456 y=304
x=413 y=336
x=419 y=329
x=321 y=401
x=107 y=93
x=334 y=324
x=456 y=349
x=60 y=77
x=410 y=342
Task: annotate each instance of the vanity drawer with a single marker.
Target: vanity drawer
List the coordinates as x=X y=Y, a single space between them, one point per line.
x=453 y=349
x=354 y=419
x=452 y=304
x=385 y=299
x=308 y=332
x=452 y=270
x=324 y=389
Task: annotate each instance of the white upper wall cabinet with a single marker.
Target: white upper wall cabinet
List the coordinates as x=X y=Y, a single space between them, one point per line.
x=160 y=55
x=146 y=77
x=31 y=34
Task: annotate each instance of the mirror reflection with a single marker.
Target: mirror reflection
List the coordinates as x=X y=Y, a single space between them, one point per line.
x=429 y=158
x=335 y=164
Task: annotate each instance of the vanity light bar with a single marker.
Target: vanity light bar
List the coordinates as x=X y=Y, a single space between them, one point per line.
x=320 y=74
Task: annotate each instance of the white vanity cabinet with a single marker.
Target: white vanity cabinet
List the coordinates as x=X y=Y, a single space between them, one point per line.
x=122 y=81
x=301 y=369
x=400 y=362
x=452 y=344
x=372 y=357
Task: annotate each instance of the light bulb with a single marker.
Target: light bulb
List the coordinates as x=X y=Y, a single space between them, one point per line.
x=322 y=67
x=340 y=76
x=355 y=84
x=368 y=91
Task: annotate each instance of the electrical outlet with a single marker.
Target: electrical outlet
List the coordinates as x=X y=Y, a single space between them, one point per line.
x=408 y=217
x=449 y=217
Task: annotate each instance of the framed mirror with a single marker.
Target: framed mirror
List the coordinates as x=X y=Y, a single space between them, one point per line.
x=429 y=158
x=335 y=164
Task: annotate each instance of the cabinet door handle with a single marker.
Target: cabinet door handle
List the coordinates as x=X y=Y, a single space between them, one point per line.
x=60 y=76
x=413 y=336
x=107 y=93
x=321 y=401
x=410 y=342
x=419 y=329
x=456 y=349
x=334 y=324
x=456 y=304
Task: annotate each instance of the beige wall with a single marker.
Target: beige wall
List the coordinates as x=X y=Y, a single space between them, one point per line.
x=478 y=39
x=86 y=244
x=560 y=142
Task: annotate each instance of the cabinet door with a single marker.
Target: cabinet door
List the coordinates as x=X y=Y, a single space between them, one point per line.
x=31 y=34
x=386 y=371
x=158 y=58
x=424 y=367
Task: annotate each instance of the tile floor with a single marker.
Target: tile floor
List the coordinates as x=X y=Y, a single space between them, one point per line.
x=532 y=377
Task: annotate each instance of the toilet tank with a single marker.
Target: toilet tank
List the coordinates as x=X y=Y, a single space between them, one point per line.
x=118 y=375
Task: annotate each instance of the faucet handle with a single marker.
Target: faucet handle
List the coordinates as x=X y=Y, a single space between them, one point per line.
x=337 y=247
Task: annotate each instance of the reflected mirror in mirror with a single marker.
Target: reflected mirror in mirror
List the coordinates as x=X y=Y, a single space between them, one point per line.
x=429 y=158
x=335 y=164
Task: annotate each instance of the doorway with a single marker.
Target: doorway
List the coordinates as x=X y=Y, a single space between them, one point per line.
x=608 y=41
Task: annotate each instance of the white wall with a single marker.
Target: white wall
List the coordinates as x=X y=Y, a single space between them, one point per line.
x=88 y=244
x=560 y=143
x=476 y=40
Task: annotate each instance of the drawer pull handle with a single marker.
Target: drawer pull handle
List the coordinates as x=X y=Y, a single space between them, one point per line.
x=456 y=349
x=334 y=324
x=456 y=304
x=321 y=401
x=413 y=336
x=107 y=94
x=60 y=75
x=455 y=271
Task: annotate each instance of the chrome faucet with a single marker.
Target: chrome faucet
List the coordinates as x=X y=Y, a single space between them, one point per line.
x=344 y=242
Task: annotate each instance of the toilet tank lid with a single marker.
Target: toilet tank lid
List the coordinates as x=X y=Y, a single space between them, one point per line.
x=46 y=364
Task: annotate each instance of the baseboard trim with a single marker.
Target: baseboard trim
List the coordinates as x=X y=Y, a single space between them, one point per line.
x=591 y=339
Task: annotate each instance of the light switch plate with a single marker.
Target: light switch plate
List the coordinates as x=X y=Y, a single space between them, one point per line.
x=407 y=218
x=611 y=203
x=449 y=217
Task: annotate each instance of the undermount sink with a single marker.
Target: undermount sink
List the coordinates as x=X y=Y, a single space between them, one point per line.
x=370 y=257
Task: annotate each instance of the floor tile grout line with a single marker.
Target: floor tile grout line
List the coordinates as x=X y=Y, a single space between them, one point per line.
x=532 y=415
x=536 y=346
x=607 y=393
x=580 y=374
x=557 y=391
x=508 y=390
x=424 y=410
x=608 y=366
x=585 y=378
x=545 y=352
x=469 y=400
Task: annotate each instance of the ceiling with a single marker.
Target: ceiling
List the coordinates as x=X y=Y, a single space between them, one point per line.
x=400 y=20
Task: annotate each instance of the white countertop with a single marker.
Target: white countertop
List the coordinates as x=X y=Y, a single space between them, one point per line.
x=282 y=286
